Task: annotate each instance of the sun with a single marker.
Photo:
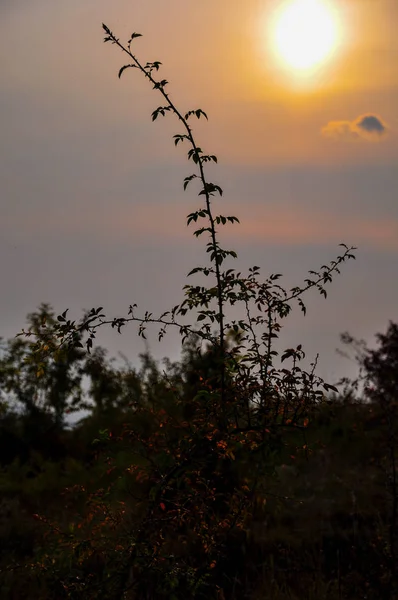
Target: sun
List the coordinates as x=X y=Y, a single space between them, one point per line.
x=305 y=33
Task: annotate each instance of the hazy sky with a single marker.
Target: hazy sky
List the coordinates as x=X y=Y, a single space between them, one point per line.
x=92 y=208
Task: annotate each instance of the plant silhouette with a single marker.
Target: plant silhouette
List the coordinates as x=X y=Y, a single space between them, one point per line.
x=201 y=461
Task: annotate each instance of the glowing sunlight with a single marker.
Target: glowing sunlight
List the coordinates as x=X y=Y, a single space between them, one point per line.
x=305 y=33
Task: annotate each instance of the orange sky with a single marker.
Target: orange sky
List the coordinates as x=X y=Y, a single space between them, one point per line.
x=305 y=164
x=218 y=58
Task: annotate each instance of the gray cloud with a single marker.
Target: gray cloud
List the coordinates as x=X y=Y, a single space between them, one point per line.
x=365 y=127
x=371 y=124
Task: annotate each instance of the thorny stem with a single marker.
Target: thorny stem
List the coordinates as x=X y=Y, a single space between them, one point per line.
x=213 y=232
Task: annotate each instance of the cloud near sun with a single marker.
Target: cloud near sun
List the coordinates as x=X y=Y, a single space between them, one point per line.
x=366 y=127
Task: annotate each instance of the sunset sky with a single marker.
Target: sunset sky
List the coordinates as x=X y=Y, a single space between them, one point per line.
x=92 y=206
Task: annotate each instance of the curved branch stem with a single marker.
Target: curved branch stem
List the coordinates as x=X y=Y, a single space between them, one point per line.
x=213 y=232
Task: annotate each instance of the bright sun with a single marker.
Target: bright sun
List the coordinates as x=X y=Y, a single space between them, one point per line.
x=305 y=33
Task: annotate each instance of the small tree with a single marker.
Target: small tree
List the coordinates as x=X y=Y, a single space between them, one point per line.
x=199 y=470
x=379 y=378
x=40 y=376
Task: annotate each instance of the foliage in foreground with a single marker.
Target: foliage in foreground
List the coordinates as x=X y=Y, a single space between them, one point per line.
x=70 y=508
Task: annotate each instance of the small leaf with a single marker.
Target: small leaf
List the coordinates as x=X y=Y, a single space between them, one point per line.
x=195 y=270
x=159 y=85
x=188 y=179
x=287 y=354
x=328 y=386
x=123 y=69
x=201 y=112
x=192 y=217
